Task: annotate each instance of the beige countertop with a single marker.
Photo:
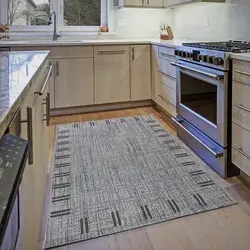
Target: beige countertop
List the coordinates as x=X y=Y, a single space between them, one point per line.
x=170 y=43
x=17 y=70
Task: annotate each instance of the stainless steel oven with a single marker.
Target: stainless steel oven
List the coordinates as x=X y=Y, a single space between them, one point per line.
x=203 y=94
x=202 y=99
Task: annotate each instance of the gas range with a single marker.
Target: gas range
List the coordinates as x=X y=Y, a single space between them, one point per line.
x=212 y=54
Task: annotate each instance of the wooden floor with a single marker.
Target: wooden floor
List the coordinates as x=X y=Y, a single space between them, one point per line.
x=225 y=229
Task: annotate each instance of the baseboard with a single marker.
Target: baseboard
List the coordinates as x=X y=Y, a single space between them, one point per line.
x=100 y=108
x=165 y=115
x=244 y=178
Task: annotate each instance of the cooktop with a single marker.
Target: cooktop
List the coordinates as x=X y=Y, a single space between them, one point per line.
x=230 y=46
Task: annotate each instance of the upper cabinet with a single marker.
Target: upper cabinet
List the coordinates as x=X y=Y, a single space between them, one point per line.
x=140 y=3
x=170 y=3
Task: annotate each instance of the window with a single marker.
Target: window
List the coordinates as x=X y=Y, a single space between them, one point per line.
x=72 y=15
x=28 y=12
x=82 y=13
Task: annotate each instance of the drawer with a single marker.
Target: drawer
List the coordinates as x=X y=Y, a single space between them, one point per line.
x=72 y=52
x=168 y=107
x=62 y=52
x=166 y=67
x=241 y=94
x=241 y=161
x=241 y=71
x=167 y=93
x=241 y=117
x=166 y=50
x=167 y=80
x=241 y=139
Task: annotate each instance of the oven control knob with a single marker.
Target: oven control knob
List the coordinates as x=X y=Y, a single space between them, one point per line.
x=204 y=58
x=218 y=61
x=184 y=54
x=199 y=57
x=176 y=52
x=189 y=55
x=210 y=59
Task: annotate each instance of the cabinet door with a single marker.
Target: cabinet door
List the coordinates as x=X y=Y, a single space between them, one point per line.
x=140 y=73
x=112 y=74
x=155 y=3
x=74 y=84
x=32 y=183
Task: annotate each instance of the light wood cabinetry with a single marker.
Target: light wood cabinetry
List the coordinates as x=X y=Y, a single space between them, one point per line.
x=241 y=116
x=140 y=72
x=74 y=83
x=34 y=177
x=112 y=74
x=164 y=78
x=140 y=3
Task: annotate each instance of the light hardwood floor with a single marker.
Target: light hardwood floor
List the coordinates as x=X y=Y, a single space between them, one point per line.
x=222 y=229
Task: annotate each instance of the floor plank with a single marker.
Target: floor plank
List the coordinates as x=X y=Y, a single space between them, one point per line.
x=226 y=228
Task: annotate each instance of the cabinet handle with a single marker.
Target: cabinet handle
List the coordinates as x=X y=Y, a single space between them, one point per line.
x=57 y=68
x=133 y=53
x=112 y=51
x=241 y=107
x=47 y=115
x=243 y=153
x=46 y=81
x=242 y=72
x=30 y=134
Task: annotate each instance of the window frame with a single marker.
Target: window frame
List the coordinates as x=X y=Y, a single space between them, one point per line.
x=58 y=6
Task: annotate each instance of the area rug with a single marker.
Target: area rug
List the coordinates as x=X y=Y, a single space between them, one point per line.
x=119 y=174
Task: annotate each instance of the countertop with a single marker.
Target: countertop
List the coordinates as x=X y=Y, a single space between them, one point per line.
x=16 y=72
x=241 y=56
x=168 y=43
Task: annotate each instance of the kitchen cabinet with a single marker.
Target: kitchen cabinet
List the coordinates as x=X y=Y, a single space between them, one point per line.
x=140 y=3
x=112 y=74
x=164 y=78
x=140 y=72
x=74 y=82
x=170 y=3
x=34 y=128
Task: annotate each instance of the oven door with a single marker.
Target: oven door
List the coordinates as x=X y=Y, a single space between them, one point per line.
x=202 y=99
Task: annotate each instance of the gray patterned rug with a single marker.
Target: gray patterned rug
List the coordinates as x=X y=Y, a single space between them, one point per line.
x=120 y=174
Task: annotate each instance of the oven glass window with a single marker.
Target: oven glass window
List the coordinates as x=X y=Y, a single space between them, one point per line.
x=200 y=97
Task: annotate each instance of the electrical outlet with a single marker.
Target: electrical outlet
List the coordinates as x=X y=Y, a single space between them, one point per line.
x=206 y=21
x=121 y=22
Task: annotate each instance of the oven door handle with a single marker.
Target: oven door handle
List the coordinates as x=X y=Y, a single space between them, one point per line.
x=217 y=77
x=215 y=154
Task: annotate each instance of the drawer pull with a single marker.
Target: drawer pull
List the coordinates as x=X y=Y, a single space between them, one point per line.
x=242 y=72
x=240 y=151
x=106 y=52
x=241 y=107
x=46 y=81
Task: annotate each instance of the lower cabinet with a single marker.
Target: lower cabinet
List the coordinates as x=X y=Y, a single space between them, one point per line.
x=112 y=74
x=74 y=82
x=35 y=129
x=140 y=72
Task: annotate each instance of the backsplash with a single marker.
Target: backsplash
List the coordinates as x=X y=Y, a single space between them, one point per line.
x=210 y=22
x=135 y=22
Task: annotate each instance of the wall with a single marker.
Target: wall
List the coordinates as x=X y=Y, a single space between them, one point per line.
x=213 y=22
x=139 y=22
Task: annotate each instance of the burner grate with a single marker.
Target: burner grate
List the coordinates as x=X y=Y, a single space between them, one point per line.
x=230 y=46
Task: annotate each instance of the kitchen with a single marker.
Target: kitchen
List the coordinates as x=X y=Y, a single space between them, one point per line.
x=128 y=141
